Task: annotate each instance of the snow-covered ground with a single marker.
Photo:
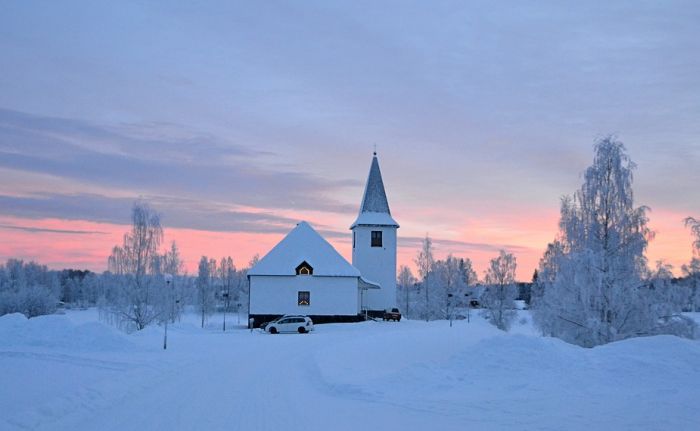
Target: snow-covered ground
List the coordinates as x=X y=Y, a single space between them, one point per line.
x=70 y=372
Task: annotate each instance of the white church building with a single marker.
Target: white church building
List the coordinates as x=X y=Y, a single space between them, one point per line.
x=303 y=274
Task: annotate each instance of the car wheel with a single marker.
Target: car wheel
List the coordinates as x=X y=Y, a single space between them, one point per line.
x=302 y=330
x=273 y=330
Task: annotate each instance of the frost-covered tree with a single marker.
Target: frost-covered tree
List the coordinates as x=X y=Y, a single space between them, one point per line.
x=405 y=284
x=592 y=286
x=500 y=291
x=28 y=288
x=448 y=287
x=692 y=269
x=425 y=263
x=174 y=292
x=467 y=272
x=227 y=276
x=694 y=225
x=206 y=288
x=135 y=301
x=665 y=298
x=546 y=275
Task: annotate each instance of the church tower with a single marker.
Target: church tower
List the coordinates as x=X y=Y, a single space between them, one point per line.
x=374 y=243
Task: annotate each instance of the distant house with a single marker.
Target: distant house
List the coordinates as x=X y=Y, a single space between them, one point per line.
x=304 y=274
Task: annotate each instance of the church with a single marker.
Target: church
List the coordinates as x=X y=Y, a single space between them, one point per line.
x=304 y=275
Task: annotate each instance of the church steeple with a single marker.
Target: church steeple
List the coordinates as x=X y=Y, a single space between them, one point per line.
x=374 y=199
x=374 y=243
x=374 y=209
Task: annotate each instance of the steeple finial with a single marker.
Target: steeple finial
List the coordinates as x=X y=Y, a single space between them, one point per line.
x=375 y=150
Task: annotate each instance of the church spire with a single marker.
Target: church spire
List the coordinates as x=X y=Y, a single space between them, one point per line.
x=374 y=210
x=374 y=199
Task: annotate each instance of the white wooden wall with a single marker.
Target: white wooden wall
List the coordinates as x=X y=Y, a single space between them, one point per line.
x=329 y=295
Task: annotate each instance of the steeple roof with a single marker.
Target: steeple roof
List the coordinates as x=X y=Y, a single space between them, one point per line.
x=374 y=210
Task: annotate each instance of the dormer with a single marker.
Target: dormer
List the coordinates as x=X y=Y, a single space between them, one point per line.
x=304 y=269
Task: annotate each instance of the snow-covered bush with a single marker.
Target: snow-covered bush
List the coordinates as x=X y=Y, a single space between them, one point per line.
x=27 y=288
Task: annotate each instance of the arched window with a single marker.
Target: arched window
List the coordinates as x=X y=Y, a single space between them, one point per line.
x=304 y=269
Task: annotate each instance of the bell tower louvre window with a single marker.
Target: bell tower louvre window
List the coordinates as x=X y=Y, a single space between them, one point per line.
x=376 y=238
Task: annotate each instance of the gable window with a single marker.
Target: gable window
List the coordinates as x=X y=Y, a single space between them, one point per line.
x=304 y=269
x=304 y=298
x=376 y=238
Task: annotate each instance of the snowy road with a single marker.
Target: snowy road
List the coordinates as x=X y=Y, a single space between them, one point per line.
x=61 y=374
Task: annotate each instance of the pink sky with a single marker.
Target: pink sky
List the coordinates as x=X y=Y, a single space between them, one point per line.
x=90 y=250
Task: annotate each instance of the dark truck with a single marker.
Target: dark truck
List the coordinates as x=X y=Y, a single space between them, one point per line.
x=394 y=314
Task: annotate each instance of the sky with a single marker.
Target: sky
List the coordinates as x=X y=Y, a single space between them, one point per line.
x=236 y=120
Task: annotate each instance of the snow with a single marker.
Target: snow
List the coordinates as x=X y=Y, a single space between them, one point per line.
x=70 y=372
x=303 y=243
x=369 y=218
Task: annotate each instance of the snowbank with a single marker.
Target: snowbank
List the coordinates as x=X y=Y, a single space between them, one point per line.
x=59 y=332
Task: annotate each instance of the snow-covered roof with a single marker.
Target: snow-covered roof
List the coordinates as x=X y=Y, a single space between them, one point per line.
x=374 y=210
x=368 y=284
x=303 y=243
x=374 y=219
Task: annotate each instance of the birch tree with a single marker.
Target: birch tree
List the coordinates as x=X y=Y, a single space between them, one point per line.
x=134 y=303
x=206 y=299
x=498 y=297
x=449 y=282
x=595 y=285
x=227 y=276
x=173 y=268
x=425 y=263
x=692 y=269
x=405 y=283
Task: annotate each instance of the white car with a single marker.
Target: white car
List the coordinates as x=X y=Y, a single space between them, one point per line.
x=300 y=324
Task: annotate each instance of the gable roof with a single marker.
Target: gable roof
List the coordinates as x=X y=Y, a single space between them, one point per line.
x=303 y=243
x=374 y=210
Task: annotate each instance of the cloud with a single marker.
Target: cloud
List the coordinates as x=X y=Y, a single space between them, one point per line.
x=175 y=212
x=45 y=230
x=456 y=246
x=161 y=160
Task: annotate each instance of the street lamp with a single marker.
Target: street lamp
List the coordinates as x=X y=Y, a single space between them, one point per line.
x=449 y=307
x=225 y=308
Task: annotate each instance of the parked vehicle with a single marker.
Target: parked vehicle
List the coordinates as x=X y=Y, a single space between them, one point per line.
x=300 y=324
x=393 y=314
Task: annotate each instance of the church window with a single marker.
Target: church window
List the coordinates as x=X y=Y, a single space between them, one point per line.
x=304 y=269
x=376 y=238
x=353 y=239
x=304 y=298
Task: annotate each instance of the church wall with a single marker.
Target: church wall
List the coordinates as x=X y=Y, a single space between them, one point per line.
x=278 y=295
